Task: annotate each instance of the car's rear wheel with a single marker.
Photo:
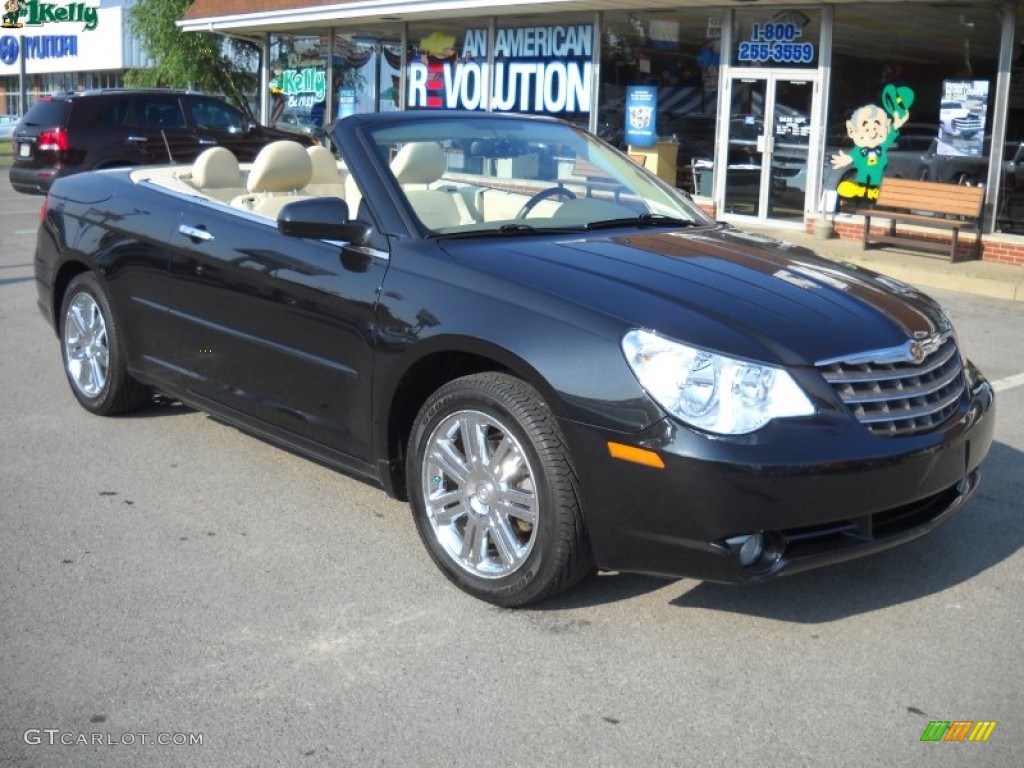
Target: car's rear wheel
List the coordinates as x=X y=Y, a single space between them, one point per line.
x=494 y=491
x=93 y=352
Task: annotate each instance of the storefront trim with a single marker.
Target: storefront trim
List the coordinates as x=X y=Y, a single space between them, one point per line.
x=819 y=77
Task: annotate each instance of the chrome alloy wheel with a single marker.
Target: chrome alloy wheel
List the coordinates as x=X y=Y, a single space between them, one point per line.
x=480 y=495
x=86 y=348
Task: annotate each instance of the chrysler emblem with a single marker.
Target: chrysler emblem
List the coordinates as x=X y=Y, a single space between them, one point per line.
x=916 y=351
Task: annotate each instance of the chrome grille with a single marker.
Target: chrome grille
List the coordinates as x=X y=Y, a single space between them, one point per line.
x=900 y=398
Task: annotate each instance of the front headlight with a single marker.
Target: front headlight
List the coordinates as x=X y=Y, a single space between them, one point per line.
x=709 y=391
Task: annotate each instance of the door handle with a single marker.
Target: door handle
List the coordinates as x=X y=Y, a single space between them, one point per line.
x=207 y=142
x=133 y=137
x=195 y=233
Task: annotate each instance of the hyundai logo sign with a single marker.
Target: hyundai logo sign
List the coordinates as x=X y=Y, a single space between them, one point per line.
x=8 y=49
x=38 y=47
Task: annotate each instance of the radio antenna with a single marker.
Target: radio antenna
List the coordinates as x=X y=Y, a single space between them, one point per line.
x=167 y=144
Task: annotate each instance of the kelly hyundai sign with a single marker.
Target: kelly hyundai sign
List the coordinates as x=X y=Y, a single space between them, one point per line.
x=33 y=13
x=62 y=37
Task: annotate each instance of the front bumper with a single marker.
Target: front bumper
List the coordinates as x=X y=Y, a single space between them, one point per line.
x=823 y=489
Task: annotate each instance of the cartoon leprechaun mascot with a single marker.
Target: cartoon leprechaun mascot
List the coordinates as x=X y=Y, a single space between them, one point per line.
x=873 y=129
x=12 y=9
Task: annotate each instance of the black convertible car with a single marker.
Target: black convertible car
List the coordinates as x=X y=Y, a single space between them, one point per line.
x=559 y=360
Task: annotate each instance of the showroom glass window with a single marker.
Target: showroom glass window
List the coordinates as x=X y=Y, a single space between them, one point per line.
x=113 y=79
x=298 y=82
x=948 y=59
x=57 y=81
x=542 y=65
x=9 y=85
x=366 y=71
x=675 y=53
x=1011 y=203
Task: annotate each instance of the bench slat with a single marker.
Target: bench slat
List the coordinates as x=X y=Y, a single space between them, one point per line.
x=934 y=221
x=929 y=196
x=910 y=201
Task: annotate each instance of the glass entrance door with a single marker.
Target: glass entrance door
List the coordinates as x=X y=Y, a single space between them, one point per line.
x=766 y=174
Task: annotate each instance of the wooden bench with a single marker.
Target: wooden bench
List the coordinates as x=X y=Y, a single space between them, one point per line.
x=946 y=206
x=590 y=176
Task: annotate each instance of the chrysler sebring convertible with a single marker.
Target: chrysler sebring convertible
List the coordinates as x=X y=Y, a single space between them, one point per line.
x=558 y=360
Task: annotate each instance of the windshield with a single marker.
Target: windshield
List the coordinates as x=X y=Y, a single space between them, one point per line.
x=507 y=175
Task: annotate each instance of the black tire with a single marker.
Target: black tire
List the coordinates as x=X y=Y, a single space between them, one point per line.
x=501 y=519
x=93 y=352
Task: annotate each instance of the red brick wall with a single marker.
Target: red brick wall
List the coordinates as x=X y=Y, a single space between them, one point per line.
x=1003 y=251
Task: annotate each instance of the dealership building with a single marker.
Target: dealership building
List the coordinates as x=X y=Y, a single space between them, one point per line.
x=61 y=46
x=750 y=101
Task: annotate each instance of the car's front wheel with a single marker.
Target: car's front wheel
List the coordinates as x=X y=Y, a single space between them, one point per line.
x=494 y=491
x=93 y=351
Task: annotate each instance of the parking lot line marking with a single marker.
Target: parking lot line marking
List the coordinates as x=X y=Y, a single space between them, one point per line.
x=21 y=211
x=1008 y=383
x=25 y=231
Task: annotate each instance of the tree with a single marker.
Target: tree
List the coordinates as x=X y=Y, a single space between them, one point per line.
x=201 y=60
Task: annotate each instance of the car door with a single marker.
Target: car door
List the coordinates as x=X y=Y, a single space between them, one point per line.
x=155 y=131
x=219 y=124
x=276 y=327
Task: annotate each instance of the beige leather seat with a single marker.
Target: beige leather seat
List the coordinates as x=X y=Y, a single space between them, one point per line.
x=326 y=181
x=353 y=196
x=280 y=170
x=418 y=163
x=417 y=166
x=216 y=174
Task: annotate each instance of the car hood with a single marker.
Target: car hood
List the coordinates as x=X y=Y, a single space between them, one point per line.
x=719 y=288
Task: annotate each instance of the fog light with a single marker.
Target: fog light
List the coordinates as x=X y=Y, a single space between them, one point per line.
x=748 y=549
x=751 y=550
x=757 y=551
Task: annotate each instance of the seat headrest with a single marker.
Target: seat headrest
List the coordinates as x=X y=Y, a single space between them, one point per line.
x=419 y=162
x=280 y=167
x=216 y=167
x=325 y=167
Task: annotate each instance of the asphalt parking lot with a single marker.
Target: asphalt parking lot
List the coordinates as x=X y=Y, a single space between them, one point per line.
x=176 y=592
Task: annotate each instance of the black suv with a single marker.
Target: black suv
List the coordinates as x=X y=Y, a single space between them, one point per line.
x=66 y=134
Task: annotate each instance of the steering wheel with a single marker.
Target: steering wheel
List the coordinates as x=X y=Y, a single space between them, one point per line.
x=544 y=194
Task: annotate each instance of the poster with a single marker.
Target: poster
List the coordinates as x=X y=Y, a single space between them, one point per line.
x=346 y=101
x=962 y=118
x=543 y=69
x=641 y=115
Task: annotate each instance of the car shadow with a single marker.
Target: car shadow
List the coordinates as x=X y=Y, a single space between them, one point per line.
x=987 y=531
x=602 y=589
x=160 y=405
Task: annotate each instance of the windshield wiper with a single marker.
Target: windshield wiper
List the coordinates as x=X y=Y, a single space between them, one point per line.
x=511 y=229
x=516 y=228
x=643 y=220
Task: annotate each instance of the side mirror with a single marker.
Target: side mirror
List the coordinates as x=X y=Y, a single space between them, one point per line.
x=322 y=218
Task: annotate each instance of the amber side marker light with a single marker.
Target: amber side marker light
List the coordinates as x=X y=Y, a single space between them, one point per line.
x=636 y=455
